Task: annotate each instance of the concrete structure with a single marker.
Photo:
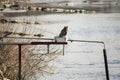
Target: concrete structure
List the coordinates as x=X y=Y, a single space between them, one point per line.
x=70 y=6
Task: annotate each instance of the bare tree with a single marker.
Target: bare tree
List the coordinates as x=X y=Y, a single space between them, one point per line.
x=35 y=60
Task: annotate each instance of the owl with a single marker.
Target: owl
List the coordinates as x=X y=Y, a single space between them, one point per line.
x=63 y=32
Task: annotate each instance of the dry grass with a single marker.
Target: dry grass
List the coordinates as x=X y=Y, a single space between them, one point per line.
x=35 y=60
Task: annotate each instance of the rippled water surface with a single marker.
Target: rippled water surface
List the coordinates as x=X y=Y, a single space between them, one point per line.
x=82 y=61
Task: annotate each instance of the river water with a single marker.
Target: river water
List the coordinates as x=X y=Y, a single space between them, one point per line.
x=82 y=61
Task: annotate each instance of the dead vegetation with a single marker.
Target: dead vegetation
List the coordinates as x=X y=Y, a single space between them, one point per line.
x=35 y=59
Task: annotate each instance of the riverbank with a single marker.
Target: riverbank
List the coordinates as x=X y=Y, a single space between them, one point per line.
x=50 y=8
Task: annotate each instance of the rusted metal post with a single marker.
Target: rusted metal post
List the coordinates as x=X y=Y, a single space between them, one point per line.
x=19 y=60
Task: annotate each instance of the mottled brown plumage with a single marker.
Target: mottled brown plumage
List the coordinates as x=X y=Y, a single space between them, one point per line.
x=63 y=32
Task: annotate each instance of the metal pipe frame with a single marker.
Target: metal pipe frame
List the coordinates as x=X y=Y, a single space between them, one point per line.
x=104 y=54
x=32 y=43
x=85 y=41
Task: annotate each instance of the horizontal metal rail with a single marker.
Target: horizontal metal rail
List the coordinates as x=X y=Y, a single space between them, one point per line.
x=51 y=39
x=48 y=43
x=33 y=43
x=29 y=38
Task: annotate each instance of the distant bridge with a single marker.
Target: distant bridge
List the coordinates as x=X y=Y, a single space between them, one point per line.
x=61 y=7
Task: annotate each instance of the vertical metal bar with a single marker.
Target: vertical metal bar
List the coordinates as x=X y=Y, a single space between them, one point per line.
x=19 y=60
x=63 y=49
x=106 y=64
x=48 y=48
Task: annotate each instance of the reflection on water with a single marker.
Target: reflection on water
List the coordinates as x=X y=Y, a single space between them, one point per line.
x=84 y=66
x=82 y=61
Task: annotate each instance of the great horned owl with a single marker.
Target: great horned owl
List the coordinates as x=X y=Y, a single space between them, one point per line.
x=63 y=32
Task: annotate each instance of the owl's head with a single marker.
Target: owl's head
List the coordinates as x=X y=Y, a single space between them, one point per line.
x=66 y=27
